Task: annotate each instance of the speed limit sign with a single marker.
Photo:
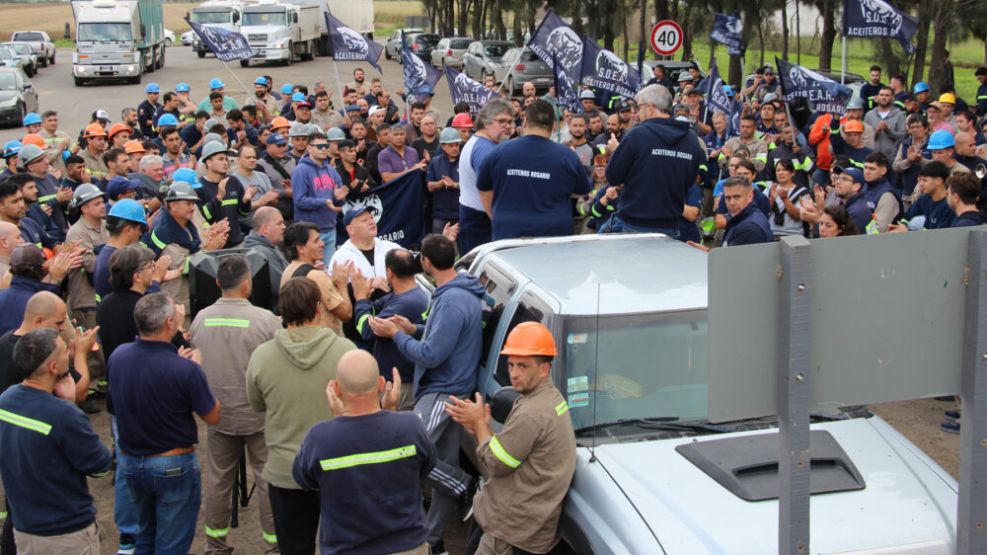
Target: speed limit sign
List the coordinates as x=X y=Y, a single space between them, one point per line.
x=666 y=37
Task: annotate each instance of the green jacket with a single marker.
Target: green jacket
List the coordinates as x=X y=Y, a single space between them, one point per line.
x=286 y=379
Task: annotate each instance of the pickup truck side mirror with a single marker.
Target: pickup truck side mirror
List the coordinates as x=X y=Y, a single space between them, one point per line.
x=236 y=17
x=143 y=30
x=502 y=403
x=294 y=18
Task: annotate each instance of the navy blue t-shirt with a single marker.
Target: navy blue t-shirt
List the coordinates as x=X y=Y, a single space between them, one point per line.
x=368 y=470
x=49 y=448
x=968 y=219
x=689 y=231
x=748 y=227
x=411 y=304
x=445 y=201
x=937 y=214
x=533 y=180
x=154 y=394
x=101 y=273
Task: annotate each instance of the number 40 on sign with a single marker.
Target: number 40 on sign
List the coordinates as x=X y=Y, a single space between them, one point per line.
x=666 y=37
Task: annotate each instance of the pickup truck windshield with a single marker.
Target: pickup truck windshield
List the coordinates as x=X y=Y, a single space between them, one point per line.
x=212 y=17
x=98 y=32
x=252 y=19
x=29 y=37
x=635 y=366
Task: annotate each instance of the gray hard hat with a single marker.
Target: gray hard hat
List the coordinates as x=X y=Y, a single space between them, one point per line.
x=298 y=129
x=856 y=103
x=85 y=193
x=336 y=134
x=449 y=135
x=213 y=148
x=587 y=94
x=29 y=153
x=180 y=190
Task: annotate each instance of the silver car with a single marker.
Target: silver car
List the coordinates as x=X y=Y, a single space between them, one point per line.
x=10 y=59
x=392 y=48
x=449 y=51
x=17 y=96
x=521 y=65
x=485 y=57
x=652 y=474
x=24 y=51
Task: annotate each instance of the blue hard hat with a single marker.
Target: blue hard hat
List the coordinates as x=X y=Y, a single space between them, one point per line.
x=130 y=210
x=167 y=119
x=152 y=88
x=261 y=81
x=920 y=87
x=216 y=83
x=11 y=148
x=287 y=88
x=187 y=175
x=32 y=119
x=941 y=139
x=728 y=90
x=181 y=87
x=299 y=97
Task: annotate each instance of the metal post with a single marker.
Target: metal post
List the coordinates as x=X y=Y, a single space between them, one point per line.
x=971 y=535
x=794 y=394
x=843 y=63
x=339 y=84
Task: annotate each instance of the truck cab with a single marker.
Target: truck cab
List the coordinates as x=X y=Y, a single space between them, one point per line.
x=653 y=475
x=281 y=32
x=221 y=14
x=117 y=39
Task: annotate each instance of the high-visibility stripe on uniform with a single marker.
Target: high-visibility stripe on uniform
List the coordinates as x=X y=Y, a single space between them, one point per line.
x=229 y=202
x=502 y=454
x=362 y=322
x=270 y=538
x=158 y=242
x=45 y=198
x=595 y=212
x=3 y=515
x=226 y=323
x=561 y=408
x=375 y=457
x=206 y=212
x=24 y=422
x=217 y=532
x=99 y=474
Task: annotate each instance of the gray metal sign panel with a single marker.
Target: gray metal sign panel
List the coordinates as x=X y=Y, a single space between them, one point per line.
x=887 y=321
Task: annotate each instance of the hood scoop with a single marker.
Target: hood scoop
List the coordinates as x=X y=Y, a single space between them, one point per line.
x=747 y=466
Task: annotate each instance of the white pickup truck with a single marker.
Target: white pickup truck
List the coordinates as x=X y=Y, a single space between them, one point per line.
x=40 y=43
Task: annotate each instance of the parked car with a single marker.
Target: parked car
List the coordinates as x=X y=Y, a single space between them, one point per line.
x=484 y=57
x=449 y=51
x=521 y=65
x=392 y=48
x=187 y=38
x=40 y=42
x=17 y=96
x=422 y=44
x=10 y=59
x=24 y=51
x=169 y=37
x=652 y=474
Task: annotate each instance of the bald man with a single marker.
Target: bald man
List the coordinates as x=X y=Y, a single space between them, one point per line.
x=10 y=237
x=45 y=310
x=365 y=454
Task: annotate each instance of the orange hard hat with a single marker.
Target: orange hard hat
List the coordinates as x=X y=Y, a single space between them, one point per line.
x=462 y=121
x=133 y=146
x=853 y=126
x=94 y=130
x=280 y=122
x=529 y=339
x=117 y=128
x=34 y=139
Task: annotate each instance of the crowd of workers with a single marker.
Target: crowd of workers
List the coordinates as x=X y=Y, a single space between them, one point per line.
x=314 y=390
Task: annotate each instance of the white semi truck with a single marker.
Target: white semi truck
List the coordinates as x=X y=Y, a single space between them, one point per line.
x=280 y=31
x=117 y=39
x=221 y=14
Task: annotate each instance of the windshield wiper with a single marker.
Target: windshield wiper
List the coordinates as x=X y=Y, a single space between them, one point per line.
x=642 y=422
x=685 y=426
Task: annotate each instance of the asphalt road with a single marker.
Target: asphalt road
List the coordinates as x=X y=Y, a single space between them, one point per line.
x=75 y=105
x=918 y=420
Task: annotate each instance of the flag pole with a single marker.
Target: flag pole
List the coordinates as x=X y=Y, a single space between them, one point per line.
x=237 y=79
x=339 y=84
x=843 y=63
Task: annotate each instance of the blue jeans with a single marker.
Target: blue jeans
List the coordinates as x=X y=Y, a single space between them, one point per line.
x=617 y=225
x=124 y=509
x=167 y=492
x=329 y=247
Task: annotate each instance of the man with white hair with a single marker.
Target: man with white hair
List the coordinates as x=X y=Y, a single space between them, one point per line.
x=10 y=237
x=494 y=123
x=656 y=163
